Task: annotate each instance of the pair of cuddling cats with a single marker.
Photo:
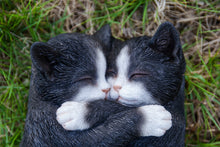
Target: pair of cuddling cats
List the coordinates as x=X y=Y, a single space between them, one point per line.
x=95 y=90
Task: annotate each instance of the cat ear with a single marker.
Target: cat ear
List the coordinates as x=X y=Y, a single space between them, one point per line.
x=104 y=35
x=166 y=40
x=44 y=57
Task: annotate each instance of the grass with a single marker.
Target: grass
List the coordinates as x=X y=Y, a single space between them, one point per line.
x=23 y=22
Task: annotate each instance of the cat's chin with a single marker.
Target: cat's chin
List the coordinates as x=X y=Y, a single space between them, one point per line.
x=134 y=102
x=88 y=99
x=125 y=102
x=130 y=102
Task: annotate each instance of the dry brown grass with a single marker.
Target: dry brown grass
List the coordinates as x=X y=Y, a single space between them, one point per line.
x=187 y=20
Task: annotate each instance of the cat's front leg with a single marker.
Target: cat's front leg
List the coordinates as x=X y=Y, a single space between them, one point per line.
x=83 y=115
x=72 y=115
x=156 y=120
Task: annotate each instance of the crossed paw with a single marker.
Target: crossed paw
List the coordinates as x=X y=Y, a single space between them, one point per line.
x=72 y=116
x=156 y=119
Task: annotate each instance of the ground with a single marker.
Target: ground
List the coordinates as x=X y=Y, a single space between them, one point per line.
x=23 y=22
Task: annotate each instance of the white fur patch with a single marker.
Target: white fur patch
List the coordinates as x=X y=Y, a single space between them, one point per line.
x=94 y=92
x=101 y=70
x=72 y=116
x=123 y=62
x=131 y=92
x=156 y=120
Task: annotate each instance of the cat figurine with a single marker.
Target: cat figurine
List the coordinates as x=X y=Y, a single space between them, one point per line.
x=143 y=71
x=71 y=69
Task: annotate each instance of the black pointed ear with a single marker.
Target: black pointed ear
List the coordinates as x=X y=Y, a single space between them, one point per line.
x=44 y=57
x=166 y=40
x=104 y=35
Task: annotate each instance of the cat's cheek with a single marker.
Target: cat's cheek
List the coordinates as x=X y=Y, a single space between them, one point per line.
x=156 y=120
x=72 y=116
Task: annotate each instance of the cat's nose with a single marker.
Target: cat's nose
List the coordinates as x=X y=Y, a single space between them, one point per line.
x=106 y=90
x=117 y=88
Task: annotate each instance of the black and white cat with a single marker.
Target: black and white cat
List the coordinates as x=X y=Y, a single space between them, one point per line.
x=153 y=66
x=73 y=66
x=143 y=71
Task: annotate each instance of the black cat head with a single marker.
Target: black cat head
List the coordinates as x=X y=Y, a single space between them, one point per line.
x=147 y=70
x=71 y=66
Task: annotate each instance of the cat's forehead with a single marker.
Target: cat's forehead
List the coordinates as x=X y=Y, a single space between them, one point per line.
x=140 y=50
x=134 y=55
x=76 y=45
x=135 y=46
x=138 y=44
x=74 y=41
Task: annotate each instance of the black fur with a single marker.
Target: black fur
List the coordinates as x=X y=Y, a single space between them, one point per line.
x=60 y=63
x=162 y=58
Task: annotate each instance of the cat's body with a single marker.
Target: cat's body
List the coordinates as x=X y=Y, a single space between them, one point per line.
x=166 y=89
x=157 y=62
x=58 y=76
x=59 y=70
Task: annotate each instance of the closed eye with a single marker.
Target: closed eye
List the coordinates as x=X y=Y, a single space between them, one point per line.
x=88 y=79
x=138 y=75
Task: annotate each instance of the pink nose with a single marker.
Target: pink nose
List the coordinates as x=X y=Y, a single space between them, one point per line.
x=106 y=90
x=117 y=88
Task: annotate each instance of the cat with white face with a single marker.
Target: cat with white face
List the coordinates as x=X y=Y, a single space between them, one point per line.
x=70 y=67
x=150 y=70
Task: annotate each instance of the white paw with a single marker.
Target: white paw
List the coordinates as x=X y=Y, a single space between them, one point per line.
x=156 y=120
x=72 y=115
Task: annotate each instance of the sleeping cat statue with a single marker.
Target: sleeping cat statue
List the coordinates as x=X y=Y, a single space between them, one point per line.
x=98 y=91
